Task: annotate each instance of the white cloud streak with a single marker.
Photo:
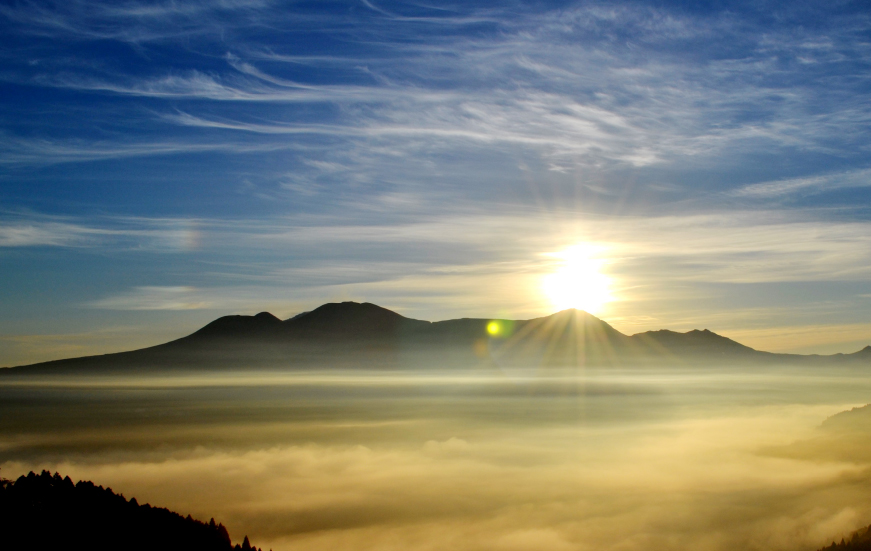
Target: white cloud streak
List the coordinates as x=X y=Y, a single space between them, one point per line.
x=16 y=152
x=132 y=22
x=140 y=234
x=48 y=234
x=541 y=85
x=483 y=265
x=807 y=186
x=751 y=247
x=154 y=298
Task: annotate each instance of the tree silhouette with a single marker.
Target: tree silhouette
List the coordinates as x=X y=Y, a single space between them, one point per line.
x=859 y=541
x=45 y=511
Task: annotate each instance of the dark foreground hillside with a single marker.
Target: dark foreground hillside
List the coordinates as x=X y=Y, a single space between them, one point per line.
x=45 y=511
x=859 y=541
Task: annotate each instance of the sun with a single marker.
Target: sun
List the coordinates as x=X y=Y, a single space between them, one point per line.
x=578 y=281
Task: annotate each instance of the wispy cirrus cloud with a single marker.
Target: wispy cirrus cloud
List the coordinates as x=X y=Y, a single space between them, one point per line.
x=29 y=234
x=726 y=247
x=154 y=298
x=132 y=22
x=451 y=266
x=539 y=84
x=816 y=184
x=110 y=233
x=30 y=151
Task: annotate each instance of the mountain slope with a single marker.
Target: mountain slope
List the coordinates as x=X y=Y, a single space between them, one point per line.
x=691 y=343
x=352 y=335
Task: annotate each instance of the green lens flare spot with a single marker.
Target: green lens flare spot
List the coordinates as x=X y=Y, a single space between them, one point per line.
x=501 y=329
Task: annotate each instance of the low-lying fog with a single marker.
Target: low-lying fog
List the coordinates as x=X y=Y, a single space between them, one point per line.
x=609 y=460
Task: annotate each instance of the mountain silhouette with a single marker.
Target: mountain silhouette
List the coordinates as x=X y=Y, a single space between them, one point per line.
x=352 y=320
x=693 y=342
x=45 y=511
x=334 y=321
x=350 y=335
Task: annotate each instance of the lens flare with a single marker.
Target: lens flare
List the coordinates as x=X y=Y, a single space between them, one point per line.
x=500 y=328
x=579 y=281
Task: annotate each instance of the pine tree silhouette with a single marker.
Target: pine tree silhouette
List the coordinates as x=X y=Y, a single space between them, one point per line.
x=45 y=511
x=860 y=540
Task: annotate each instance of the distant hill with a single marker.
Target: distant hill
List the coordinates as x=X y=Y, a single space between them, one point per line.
x=45 y=511
x=351 y=335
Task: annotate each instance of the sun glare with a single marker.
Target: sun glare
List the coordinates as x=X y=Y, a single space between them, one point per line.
x=579 y=281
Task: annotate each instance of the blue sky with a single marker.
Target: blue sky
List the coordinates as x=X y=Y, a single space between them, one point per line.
x=164 y=163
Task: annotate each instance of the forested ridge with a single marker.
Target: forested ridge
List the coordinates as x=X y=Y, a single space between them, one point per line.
x=860 y=540
x=46 y=511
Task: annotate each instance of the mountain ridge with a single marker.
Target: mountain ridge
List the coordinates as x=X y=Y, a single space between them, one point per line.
x=351 y=334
